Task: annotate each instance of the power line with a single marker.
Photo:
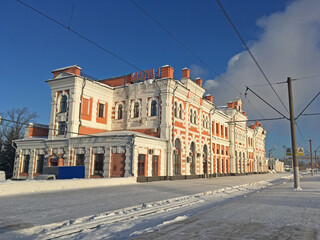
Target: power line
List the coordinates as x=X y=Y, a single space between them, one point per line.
x=252 y=105
x=310 y=114
x=314 y=76
x=80 y=35
x=266 y=102
x=307 y=106
x=182 y=44
x=250 y=53
x=262 y=85
x=260 y=120
x=191 y=52
x=277 y=83
x=300 y=132
x=71 y=14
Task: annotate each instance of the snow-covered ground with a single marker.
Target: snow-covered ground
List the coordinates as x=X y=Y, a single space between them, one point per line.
x=276 y=212
x=36 y=186
x=128 y=211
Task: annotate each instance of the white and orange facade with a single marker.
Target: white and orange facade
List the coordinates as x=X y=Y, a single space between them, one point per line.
x=146 y=125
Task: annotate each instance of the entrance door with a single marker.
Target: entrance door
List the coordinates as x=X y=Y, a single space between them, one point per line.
x=118 y=164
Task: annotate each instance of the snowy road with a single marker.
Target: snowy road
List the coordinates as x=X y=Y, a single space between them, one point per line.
x=277 y=212
x=45 y=208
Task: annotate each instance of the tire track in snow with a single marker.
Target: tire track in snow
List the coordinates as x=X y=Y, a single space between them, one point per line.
x=72 y=227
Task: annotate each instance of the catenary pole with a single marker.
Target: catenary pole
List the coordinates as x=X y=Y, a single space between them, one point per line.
x=293 y=138
x=311 y=157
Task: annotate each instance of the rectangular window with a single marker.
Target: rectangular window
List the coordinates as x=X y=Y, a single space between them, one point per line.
x=40 y=161
x=212 y=127
x=141 y=164
x=221 y=131
x=101 y=110
x=217 y=128
x=61 y=128
x=155 y=162
x=79 y=159
x=98 y=164
x=226 y=132
x=85 y=106
x=26 y=159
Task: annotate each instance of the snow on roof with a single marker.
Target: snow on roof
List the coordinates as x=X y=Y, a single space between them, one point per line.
x=60 y=69
x=120 y=134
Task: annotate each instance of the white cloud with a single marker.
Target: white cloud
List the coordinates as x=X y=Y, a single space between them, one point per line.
x=210 y=85
x=288 y=46
x=198 y=71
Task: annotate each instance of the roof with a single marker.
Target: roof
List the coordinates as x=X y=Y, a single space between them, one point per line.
x=60 y=69
x=120 y=134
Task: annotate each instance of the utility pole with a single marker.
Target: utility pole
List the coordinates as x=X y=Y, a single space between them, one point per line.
x=311 y=157
x=293 y=138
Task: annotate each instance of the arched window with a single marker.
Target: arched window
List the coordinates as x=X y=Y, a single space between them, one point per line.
x=175 y=109
x=203 y=121
x=136 y=110
x=191 y=116
x=180 y=111
x=205 y=159
x=177 y=158
x=120 y=111
x=193 y=158
x=63 y=104
x=195 y=117
x=154 y=108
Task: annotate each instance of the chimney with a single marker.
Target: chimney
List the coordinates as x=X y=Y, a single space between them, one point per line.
x=209 y=97
x=185 y=73
x=244 y=113
x=230 y=104
x=252 y=126
x=167 y=71
x=75 y=69
x=257 y=123
x=199 y=81
x=260 y=125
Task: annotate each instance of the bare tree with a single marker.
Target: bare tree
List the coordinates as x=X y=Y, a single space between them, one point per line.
x=11 y=129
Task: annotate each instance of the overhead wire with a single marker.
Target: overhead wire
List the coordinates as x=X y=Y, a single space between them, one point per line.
x=247 y=88
x=80 y=35
x=301 y=78
x=71 y=14
x=191 y=52
x=260 y=120
x=278 y=83
x=182 y=44
x=249 y=51
x=307 y=106
x=310 y=114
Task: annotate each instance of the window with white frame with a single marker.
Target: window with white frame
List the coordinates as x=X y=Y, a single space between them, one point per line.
x=63 y=104
x=61 y=128
x=136 y=112
x=180 y=111
x=154 y=108
x=120 y=111
x=101 y=110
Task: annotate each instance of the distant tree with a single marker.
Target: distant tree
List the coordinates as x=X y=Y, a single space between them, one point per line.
x=11 y=129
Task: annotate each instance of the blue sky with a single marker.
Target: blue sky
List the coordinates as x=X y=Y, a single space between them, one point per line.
x=280 y=34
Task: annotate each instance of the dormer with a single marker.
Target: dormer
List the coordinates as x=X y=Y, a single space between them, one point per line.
x=74 y=70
